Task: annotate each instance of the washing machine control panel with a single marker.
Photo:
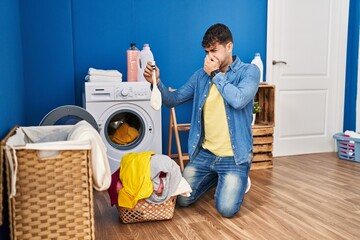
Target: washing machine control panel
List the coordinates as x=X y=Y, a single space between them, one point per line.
x=123 y=91
x=132 y=93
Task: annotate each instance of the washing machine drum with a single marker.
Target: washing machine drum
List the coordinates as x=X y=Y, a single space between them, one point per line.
x=68 y=115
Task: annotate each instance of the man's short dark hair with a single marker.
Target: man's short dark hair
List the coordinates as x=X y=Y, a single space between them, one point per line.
x=217 y=33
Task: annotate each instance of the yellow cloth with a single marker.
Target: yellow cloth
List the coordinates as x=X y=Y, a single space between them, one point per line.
x=125 y=134
x=135 y=176
x=217 y=137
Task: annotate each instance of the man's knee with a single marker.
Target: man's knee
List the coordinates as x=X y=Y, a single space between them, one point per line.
x=227 y=211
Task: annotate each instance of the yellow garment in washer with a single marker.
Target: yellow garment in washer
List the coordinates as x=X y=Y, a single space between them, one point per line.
x=135 y=176
x=125 y=134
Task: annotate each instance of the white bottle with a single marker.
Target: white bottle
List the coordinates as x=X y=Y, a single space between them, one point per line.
x=144 y=57
x=257 y=61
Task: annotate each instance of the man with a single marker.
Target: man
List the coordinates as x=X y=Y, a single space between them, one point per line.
x=220 y=138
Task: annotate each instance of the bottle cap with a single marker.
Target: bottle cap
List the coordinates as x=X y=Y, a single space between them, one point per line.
x=132 y=46
x=146 y=45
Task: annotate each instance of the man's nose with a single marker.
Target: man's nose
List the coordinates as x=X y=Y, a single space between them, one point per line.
x=211 y=56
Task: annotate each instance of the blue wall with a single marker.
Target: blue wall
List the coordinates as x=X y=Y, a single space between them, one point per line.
x=11 y=79
x=174 y=31
x=352 y=67
x=11 y=73
x=48 y=57
x=54 y=43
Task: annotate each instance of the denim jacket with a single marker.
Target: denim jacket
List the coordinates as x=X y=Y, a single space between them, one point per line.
x=238 y=87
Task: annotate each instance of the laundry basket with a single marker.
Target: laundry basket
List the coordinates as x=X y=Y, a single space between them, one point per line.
x=2 y=156
x=49 y=186
x=348 y=148
x=1 y=186
x=145 y=211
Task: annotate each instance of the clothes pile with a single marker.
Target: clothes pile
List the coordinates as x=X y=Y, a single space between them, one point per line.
x=100 y=75
x=146 y=175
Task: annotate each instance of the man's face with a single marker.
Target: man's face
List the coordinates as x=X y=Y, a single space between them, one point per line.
x=221 y=52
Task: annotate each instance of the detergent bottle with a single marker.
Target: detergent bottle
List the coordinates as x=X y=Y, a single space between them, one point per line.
x=144 y=57
x=257 y=61
x=132 y=55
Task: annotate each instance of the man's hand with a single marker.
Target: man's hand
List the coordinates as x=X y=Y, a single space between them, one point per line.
x=211 y=64
x=148 y=73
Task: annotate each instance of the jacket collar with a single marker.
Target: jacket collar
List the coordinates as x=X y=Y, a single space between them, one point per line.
x=236 y=64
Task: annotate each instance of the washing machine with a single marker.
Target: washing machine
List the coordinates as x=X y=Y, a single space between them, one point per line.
x=126 y=121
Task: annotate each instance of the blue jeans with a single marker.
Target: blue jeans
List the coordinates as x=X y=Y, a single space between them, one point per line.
x=208 y=170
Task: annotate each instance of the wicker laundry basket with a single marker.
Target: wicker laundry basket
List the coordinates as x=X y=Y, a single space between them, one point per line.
x=1 y=187
x=54 y=198
x=145 y=211
x=2 y=156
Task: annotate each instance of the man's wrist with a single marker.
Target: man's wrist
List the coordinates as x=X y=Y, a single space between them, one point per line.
x=213 y=73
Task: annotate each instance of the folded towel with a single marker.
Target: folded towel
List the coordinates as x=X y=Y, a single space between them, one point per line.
x=99 y=161
x=99 y=78
x=101 y=72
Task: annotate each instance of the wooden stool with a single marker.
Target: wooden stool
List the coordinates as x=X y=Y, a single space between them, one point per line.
x=176 y=128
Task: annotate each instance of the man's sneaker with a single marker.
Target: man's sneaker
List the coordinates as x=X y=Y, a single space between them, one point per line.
x=248 y=185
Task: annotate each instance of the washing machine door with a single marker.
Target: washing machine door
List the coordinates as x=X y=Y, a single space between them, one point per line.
x=68 y=115
x=128 y=127
x=124 y=129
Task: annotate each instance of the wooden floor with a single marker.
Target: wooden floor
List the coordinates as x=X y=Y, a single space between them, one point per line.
x=313 y=196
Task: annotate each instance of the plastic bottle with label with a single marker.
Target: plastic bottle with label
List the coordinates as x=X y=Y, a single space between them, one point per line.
x=132 y=55
x=144 y=57
x=257 y=61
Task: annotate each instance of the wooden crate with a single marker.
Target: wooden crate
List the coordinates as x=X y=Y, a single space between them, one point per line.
x=263 y=146
x=266 y=98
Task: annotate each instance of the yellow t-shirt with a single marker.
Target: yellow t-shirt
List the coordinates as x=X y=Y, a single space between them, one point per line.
x=217 y=137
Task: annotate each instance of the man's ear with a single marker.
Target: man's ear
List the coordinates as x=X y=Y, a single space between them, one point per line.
x=229 y=47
